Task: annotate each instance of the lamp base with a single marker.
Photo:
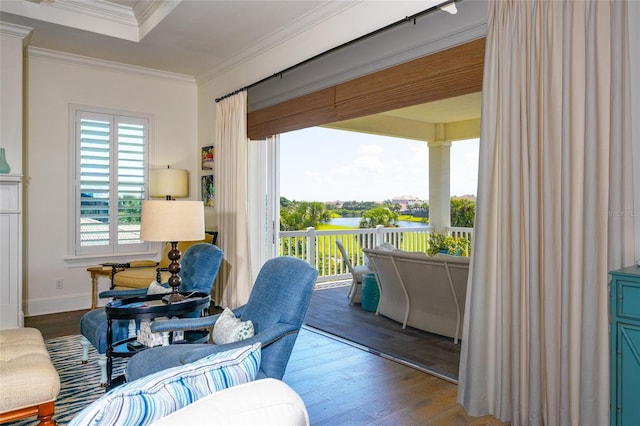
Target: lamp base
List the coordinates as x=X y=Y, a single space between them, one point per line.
x=173 y=298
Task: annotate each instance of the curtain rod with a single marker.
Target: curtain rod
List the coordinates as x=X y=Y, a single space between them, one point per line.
x=413 y=18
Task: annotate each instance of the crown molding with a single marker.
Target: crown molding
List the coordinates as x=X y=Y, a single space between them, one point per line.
x=13 y=30
x=97 y=8
x=97 y=16
x=78 y=60
x=294 y=29
x=149 y=14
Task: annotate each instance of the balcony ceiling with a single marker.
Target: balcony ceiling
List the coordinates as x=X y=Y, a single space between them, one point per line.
x=203 y=38
x=445 y=120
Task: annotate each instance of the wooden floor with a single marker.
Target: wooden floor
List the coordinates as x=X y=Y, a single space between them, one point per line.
x=341 y=384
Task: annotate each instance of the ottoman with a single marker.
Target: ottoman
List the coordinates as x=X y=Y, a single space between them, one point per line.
x=29 y=384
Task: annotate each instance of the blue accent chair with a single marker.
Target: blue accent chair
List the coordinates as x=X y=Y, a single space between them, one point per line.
x=199 y=268
x=277 y=306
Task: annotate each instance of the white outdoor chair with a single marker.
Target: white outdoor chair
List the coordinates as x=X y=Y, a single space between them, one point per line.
x=357 y=272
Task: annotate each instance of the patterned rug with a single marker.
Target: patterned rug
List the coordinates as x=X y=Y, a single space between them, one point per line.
x=80 y=384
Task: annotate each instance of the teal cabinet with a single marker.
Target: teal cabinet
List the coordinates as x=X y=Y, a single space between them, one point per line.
x=625 y=346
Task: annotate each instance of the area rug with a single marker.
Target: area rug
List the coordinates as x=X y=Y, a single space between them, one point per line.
x=80 y=383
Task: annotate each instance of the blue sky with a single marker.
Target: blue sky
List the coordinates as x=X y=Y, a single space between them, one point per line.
x=318 y=164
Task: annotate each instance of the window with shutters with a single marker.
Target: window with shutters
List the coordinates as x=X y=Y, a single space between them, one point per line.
x=111 y=153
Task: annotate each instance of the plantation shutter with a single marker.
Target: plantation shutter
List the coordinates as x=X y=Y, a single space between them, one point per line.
x=111 y=183
x=131 y=155
x=95 y=166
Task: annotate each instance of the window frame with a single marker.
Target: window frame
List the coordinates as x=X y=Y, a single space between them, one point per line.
x=113 y=249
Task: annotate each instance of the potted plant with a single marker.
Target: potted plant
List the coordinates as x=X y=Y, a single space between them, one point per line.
x=441 y=242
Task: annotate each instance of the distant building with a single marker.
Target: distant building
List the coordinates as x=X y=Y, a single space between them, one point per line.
x=405 y=201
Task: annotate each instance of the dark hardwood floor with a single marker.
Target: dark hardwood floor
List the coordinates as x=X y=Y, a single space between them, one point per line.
x=341 y=384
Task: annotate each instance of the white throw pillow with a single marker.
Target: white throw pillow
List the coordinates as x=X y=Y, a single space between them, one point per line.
x=155 y=288
x=229 y=329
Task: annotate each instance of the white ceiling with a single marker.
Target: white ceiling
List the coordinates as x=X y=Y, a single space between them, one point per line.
x=192 y=37
x=201 y=38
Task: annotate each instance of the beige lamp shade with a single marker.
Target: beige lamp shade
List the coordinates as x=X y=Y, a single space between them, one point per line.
x=168 y=182
x=170 y=220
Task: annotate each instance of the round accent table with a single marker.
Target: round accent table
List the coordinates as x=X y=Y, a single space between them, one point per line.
x=144 y=308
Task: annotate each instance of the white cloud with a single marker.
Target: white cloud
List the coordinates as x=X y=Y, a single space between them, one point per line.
x=370 y=149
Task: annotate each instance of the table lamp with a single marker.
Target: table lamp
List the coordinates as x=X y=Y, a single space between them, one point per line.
x=168 y=183
x=172 y=221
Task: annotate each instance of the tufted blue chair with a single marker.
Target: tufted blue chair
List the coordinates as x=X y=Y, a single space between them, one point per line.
x=277 y=306
x=199 y=267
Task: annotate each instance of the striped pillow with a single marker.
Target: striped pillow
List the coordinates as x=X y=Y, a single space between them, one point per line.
x=150 y=398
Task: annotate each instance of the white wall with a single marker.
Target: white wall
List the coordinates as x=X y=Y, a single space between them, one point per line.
x=54 y=82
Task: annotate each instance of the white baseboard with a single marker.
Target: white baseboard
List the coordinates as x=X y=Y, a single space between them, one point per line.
x=54 y=305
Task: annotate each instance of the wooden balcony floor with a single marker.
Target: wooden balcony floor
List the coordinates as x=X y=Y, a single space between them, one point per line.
x=330 y=312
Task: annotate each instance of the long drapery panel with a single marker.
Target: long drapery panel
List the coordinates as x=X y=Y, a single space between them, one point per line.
x=554 y=212
x=231 y=200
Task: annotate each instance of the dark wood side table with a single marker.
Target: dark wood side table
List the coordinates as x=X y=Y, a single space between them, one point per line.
x=144 y=308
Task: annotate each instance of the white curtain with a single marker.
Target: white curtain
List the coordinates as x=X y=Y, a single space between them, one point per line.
x=554 y=212
x=235 y=281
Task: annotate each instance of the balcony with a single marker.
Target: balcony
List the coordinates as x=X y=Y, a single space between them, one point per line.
x=319 y=249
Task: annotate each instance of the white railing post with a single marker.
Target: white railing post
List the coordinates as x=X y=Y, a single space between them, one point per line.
x=311 y=243
x=379 y=235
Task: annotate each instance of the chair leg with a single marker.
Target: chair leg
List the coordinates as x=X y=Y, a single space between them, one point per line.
x=85 y=349
x=165 y=338
x=102 y=362
x=353 y=291
x=45 y=414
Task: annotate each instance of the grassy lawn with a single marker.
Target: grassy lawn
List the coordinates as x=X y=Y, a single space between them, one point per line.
x=333 y=227
x=409 y=218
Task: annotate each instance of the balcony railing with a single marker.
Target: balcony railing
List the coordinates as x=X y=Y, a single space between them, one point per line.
x=319 y=247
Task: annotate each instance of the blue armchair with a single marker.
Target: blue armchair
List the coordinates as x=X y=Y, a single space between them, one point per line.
x=199 y=267
x=277 y=306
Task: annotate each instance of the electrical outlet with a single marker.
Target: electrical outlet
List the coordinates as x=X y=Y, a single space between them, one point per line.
x=59 y=283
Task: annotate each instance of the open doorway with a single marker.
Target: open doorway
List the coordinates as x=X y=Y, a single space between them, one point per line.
x=439 y=106
x=333 y=167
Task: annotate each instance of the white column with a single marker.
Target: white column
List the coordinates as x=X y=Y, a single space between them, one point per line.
x=439 y=184
x=12 y=40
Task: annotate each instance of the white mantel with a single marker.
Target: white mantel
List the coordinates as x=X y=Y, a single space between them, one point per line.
x=11 y=311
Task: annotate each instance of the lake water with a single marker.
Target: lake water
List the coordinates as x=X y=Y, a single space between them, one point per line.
x=354 y=221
